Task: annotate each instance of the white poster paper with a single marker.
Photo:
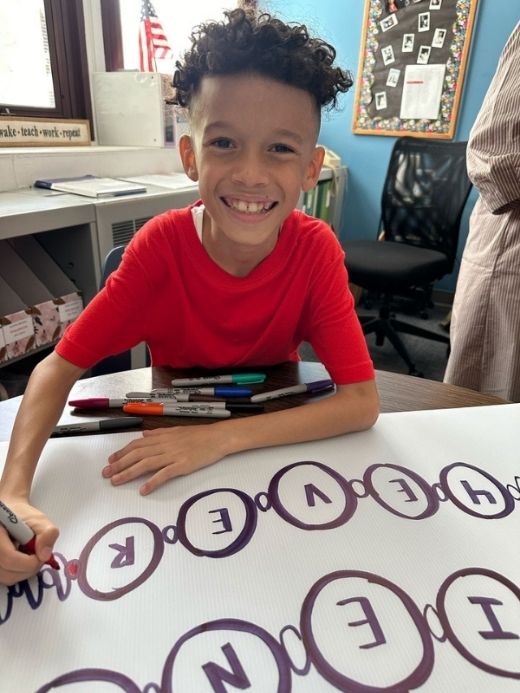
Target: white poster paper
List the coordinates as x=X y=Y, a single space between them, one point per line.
x=383 y=560
x=422 y=91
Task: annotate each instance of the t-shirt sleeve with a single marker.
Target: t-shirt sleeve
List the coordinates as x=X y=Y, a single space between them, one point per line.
x=113 y=321
x=334 y=330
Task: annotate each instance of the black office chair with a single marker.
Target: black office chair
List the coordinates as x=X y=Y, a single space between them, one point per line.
x=424 y=193
x=122 y=361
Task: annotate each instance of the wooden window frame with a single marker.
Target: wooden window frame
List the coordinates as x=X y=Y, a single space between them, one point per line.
x=68 y=56
x=112 y=35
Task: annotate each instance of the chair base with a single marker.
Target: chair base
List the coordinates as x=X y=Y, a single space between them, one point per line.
x=390 y=327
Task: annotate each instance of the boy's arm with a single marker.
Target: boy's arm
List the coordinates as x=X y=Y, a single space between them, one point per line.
x=165 y=453
x=352 y=408
x=41 y=407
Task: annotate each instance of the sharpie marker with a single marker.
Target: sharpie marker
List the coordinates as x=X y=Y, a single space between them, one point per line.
x=22 y=533
x=105 y=402
x=94 y=426
x=230 y=406
x=313 y=388
x=174 y=392
x=240 y=378
x=181 y=409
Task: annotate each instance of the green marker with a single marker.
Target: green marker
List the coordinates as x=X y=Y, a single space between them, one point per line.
x=237 y=378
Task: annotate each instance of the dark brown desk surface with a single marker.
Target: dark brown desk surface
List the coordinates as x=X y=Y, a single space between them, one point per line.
x=397 y=392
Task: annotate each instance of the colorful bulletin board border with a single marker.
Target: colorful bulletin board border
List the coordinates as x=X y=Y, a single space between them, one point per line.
x=24 y=131
x=429 y=37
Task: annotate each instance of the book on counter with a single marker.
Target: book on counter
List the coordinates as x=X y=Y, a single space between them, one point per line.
x=91 y=186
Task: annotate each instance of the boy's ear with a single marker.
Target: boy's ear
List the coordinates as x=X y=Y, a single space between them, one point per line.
x=313 y=169
x=187 y=154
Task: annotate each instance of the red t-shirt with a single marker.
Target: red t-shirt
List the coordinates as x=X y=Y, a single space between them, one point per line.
x=169 y=293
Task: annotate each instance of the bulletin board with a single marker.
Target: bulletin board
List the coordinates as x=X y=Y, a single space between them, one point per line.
x=382 y=561
x=413 y=59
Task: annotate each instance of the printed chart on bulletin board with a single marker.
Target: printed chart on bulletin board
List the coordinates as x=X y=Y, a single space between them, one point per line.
x=412 y=63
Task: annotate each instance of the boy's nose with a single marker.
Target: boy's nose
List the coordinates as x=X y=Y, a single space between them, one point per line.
x=250 y=171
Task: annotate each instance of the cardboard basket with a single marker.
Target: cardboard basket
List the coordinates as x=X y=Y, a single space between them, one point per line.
x=47 y=294
x=16 y=325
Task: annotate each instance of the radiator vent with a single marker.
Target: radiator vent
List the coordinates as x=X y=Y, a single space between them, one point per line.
x=122 y=231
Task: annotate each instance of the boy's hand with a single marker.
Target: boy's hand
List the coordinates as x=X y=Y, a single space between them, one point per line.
x=15 y=565
x=166 y=453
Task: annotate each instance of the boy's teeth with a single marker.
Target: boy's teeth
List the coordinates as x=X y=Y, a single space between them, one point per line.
x=248 y=207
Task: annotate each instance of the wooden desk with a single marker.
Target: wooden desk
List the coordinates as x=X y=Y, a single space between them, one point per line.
x=397 y=392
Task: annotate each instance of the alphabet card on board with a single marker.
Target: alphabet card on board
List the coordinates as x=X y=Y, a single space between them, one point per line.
x=386 y=560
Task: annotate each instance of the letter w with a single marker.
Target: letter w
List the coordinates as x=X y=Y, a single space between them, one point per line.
x=236 y=677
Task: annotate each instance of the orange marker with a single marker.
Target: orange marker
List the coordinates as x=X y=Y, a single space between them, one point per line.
x=179 y=409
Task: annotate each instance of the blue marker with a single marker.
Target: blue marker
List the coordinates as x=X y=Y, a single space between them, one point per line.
x=182 y=393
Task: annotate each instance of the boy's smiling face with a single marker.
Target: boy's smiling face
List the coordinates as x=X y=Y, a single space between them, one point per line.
x=253 y=150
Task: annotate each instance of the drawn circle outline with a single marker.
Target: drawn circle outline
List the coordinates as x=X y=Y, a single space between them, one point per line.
x=243 y=538
x=280 y=657
x=344 y=517
x=418 y=676
x=509 y=502
x=450 y=633
x=150 y=568
x=426 y=488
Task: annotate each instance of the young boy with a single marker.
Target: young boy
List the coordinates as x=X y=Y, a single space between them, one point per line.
x=239 y=279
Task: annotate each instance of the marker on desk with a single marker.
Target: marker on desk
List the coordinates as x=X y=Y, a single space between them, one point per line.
x=180 y=409
x=105 y=402
x=240 y=378
x=22 y=533
x=183 y=394
x=213 y=404
x=94 y=426
x=313 y=388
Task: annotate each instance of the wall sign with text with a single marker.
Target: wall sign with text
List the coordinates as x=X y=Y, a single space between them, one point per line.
x=412 y=63
x=22 y=131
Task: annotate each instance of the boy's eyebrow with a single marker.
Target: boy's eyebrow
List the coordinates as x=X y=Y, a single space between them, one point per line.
x=282 y=132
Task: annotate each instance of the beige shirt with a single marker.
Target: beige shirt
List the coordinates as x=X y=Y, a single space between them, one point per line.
x=485 y=328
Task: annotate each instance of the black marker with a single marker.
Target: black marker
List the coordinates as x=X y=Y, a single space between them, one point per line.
x=95 y=426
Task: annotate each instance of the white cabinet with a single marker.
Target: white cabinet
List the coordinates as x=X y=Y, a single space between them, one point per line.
x=78 y=232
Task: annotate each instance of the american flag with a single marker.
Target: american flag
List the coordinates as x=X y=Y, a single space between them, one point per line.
x=153 y=43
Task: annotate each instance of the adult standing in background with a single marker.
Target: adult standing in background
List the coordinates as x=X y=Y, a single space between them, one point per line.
x=485 y=324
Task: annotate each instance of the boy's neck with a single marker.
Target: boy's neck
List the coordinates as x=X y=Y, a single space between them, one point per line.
x=237 y=260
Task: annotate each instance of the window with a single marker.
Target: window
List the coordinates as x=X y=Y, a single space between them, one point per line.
x=43 y=60
x=121 y=28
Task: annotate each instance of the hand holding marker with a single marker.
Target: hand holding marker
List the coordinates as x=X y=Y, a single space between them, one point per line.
x=19 y=531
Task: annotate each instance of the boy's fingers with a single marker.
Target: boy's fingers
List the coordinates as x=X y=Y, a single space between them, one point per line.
x=15 y=565
x=45 y=542
x=158 y=479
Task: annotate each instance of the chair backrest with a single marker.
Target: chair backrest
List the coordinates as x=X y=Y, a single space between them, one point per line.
x=111 y=263
x=425 y=190
x=122 y=361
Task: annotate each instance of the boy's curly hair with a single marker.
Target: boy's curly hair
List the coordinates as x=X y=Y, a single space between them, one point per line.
x=264 y=45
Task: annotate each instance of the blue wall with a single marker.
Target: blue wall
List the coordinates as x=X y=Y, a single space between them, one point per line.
x=339 y=22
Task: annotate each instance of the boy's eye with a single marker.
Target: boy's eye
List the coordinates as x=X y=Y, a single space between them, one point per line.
x=221 y=143
x=282 y=148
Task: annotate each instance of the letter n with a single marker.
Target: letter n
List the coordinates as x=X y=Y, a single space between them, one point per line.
x=217 y=674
